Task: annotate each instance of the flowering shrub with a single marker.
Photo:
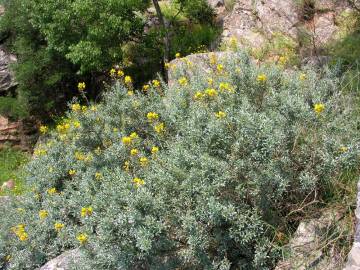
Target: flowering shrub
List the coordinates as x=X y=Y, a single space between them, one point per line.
x=188 y=177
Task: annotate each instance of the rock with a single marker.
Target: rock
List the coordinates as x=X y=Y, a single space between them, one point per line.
x=22 y=134
x=305 y=249
x=7 y=81
x=10 y=184
x=353 y=262
x=216 y=3
x=63 y=261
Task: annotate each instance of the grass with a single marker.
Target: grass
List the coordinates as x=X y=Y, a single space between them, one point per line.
x=11 y=167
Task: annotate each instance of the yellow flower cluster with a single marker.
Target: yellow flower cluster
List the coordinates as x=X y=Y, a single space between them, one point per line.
x=63 y=127
x=319 y=108
x=128 y=80
x=183 y=81
x=152 y=116
x=138 y=182
x=146 y=87
x=43 y=214
x=143 y=161
x=210 y=92
x=154 y=150
x=220 y=114
x=226 y=87
x=20 y=232
x=127 y=140
x=98 y=176
x=40 y=152
x=177 y=55
x=43 y=129
x=72 y=172
x=51 y=191
x=159 y=128
x=156 y=83
x=82 y=238
x=134 y=152
x=58 y=226
x=86 y=211
x=261 y=78
x=81 y=86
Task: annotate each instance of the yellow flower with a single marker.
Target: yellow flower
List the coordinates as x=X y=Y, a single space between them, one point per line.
x=160 y=127
x=79 y=156
x=7 y=258
x=86 y=211
x=23 y=237
x=210 y=81
x=261 y=78
x=126 y=140
x=302 y=77
x=120 y=73
x=76 y=124
x=144 y=161
x=81 y=86
x=177 y=55
x=138 y=182
x=43 y=214
x=146 y=87
x=154 y=150
x=226 y=87
x=58 y=226
x=319 y=108
x=128 y=80
x=282 y=60
x=167 y=65
x=72 y=172
x=130 y=93
x=183 y=81
x=198 y=95
x=82 y=238
x=134 y=152
x=18 y=229
x=211 y=92
x=220 y=114
x=155 y=83
x=76 y=107
x=134 y=135
x=93 y=108
x=84 y=109
x=98 y=176
x=115 y=130
x=343 y=149
x=51 y=191
x=112 y=72
x=40 y=152
x=152 y=116
x=126 y=166
x=43 y=129
x=220 y=67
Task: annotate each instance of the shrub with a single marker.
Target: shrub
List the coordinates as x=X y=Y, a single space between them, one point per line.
x=12 y=108
x=190 y=176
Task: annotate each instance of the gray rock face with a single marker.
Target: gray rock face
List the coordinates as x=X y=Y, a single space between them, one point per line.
x=7 y=81
x=305 y=250
x=216 y=3
x=63 y=261
x=353 y=262
x=253 y=23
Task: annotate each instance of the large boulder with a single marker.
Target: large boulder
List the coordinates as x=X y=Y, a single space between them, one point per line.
x=7 y=81
x=306 y=249
x=353 y=262
x=63 y=261
x=255 y=23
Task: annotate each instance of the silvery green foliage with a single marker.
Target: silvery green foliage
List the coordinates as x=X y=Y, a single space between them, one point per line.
x=212 y=189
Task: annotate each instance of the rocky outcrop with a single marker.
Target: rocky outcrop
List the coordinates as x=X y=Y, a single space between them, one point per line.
x=353 y=262
x=63 y=261
x=305 y=250
x=255 y=23
x=7 y=81
x=22 y=133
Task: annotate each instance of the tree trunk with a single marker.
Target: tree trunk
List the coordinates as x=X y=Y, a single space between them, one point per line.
x=166 y=26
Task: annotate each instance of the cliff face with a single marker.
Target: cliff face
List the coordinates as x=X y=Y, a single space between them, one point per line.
x=306 y=28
